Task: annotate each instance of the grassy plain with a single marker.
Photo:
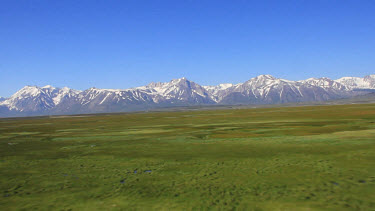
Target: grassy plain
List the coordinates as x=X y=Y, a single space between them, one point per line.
x=290 y=158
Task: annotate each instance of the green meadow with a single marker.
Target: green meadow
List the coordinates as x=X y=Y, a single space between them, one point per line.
x=288 y=158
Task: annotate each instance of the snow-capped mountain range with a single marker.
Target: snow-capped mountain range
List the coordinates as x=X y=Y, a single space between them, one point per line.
x=263 y=89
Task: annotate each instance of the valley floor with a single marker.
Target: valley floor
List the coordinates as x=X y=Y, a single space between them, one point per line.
x=287 y=158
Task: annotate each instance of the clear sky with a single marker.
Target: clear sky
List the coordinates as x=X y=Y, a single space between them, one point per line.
x=123 y=44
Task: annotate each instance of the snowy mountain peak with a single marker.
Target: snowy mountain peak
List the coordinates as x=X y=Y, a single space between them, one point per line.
x=27 y=90
x=224 y=86
x=310 y=79
x=65 y=89
x=367 y=82
x=218 y=87
x=28 y=96
x=33 y=98
x=317 y=79
x=48 y=87
x=325 y=83
x=153 y=84
x=180 y=80
x=263 y=80
x=265 y=77
x=94 y=89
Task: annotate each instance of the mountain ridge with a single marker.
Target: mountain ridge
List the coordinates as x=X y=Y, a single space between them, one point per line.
x=263 y=89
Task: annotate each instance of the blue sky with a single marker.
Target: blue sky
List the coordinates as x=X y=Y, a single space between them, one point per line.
x=123 y=44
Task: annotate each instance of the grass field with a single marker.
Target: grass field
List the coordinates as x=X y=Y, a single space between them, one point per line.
x=291 y=158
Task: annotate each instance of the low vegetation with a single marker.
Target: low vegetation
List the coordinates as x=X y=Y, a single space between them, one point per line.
x=290 y=158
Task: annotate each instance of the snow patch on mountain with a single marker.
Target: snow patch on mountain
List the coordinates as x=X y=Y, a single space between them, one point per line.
x=368 y=82
x=326 y=83
x=215 y=89
x=64 y=93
